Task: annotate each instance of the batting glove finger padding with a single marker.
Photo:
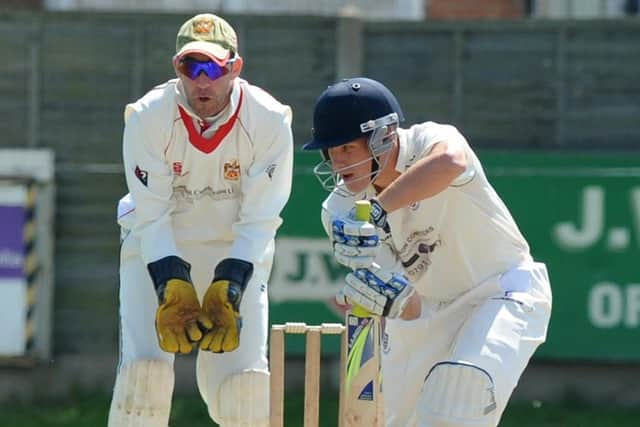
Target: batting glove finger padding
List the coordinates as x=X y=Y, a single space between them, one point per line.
x=379 y=291
x=355 y=243
x=360 y=294
x=355 y=251
x=341 y=298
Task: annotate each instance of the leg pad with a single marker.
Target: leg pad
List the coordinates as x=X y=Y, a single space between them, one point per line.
x=457 y=394
x=243 y=400
x=142 y=395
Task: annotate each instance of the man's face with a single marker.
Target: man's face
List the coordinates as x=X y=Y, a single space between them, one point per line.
x=207 y=97
x=353 y=162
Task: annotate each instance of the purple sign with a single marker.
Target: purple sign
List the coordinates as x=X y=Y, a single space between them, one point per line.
x=12 y=242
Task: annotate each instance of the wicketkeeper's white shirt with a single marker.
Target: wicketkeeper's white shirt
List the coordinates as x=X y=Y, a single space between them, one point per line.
x=226 y=184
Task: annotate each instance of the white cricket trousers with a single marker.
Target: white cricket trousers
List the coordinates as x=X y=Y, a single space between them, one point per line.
x=138 y=304
x=495 y=330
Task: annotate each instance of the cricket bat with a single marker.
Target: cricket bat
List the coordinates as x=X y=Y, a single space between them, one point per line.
x=363 y=406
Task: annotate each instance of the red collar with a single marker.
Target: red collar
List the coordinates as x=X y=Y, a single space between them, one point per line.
x=200 y=142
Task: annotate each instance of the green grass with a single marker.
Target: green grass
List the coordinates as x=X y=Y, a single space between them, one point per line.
x=91 y=411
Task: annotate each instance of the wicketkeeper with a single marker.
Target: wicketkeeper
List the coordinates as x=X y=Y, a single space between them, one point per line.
x=208 y=164
x=466 y=305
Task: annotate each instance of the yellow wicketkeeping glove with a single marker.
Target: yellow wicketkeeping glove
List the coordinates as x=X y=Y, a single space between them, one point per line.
x=221 y=305
x=179 y=319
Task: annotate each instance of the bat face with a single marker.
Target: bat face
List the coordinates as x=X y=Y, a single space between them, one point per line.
x=363 y=402
x=363 y=406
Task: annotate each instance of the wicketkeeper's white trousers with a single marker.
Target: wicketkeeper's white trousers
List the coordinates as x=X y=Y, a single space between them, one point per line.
x=138 y=304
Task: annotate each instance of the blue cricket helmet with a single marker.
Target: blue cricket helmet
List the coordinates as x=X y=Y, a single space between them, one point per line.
x=343 y=110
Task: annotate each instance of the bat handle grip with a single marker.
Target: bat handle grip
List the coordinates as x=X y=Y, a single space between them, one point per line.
x=363 y=212
x=359 y=311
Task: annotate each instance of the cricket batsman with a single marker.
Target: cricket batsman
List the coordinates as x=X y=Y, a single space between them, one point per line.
x=208 y=164
x=465 y=304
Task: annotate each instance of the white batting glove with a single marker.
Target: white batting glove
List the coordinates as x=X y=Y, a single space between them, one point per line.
x=342 y=300
x=379 y=291
x=355 y=243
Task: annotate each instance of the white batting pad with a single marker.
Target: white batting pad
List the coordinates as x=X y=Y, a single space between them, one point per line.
x=142 y=395
x=457 y=394
x=243 y=400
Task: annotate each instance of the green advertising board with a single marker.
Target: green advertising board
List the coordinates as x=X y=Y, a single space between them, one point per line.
x=580 y=213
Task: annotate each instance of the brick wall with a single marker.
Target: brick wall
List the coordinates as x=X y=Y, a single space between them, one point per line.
x=475 y=9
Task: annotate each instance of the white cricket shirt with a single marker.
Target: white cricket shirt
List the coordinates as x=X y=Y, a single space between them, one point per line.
x=452 y=242
x=226 y=184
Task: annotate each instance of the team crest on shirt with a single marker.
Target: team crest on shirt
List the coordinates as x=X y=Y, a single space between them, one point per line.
x=177 y=168
x=232 y=170
x=417 y=251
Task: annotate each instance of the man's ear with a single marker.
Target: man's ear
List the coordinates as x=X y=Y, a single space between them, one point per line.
x=175 y=66
x=237 y=66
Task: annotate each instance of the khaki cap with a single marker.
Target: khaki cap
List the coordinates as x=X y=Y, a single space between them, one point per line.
x=207 y=34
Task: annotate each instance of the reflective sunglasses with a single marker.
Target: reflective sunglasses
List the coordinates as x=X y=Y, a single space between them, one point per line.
x=192 y=68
